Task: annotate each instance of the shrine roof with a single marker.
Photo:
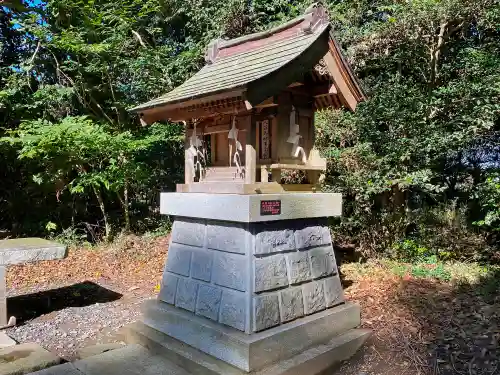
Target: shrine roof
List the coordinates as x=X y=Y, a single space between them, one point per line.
x=233 y=64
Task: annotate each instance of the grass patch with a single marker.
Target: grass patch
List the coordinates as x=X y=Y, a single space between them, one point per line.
x=428 y=268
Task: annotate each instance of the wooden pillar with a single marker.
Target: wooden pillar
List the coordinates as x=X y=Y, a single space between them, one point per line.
x=213 y=149
x=283 y=127
x=250 y=152
x=3 y=298
x=276 y=175
x=264 y=174
x=188 y=171
x=313 y=176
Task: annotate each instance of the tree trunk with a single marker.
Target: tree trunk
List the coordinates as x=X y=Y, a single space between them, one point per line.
x=107 y=225
x=125 y=208
x=124 y=202
x=434 y=60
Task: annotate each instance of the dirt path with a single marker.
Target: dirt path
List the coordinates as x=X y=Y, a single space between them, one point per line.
x=424 y=326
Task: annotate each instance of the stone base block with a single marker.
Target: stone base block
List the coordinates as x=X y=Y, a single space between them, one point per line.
x=256 y=351
x=25 y=358
x=315 y=360
x=6 y=341
x=24 y=250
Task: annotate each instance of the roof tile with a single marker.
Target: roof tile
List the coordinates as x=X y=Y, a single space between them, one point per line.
x=237 y=70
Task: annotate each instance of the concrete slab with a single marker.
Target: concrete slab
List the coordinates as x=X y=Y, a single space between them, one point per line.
x=130 y=360
x=315 y=360
x=65 y=369
x=6 y=341
x=322 y=358
x=25 y=358
x=23 y=250
x=251 y=352
x=247 y=208
x=91 y=350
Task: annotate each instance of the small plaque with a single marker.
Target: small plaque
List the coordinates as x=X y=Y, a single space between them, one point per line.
x=268 y=208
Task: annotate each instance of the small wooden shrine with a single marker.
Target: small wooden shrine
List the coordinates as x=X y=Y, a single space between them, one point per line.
x=249 y=113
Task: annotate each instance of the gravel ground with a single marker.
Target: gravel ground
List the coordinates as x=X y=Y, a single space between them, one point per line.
x=82 y=323
x=87 y=297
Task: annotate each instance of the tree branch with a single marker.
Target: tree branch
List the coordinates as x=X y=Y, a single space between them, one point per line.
x=136 y=34
x=434 y=60
x=35 y=53
x=445 y=32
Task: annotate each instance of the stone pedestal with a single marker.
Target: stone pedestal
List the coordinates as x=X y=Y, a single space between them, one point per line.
x=251 y=279
x=18 y=251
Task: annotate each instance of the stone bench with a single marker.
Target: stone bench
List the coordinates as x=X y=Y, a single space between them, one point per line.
x=20 y=251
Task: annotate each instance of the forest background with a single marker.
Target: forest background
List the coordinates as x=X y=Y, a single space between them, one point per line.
x=418 y=163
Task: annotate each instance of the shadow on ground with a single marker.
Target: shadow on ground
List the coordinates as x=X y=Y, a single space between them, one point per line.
x=29 y=306
x=426 y=326
x=459 y=325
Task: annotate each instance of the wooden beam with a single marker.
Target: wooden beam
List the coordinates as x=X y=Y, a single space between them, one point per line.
x=214 y=129
x=201 y=110
x=340 y=82
x=314 y=89
x=257 y=139
x=301 y=167
x=348 y=73
x=324 y=90
x=269 y=102
x=199 y=113
x=197 y=101
x=213 y=148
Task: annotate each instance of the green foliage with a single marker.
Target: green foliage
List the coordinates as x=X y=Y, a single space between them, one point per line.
x=84 y=157
x=162 y=228
x=489 y=194
x=50 y=226
x=69 y=71
x=485 y=277
x=71 y=237
x=410 y=162
x=409 y=250
x=422 y=141
x=426 y=268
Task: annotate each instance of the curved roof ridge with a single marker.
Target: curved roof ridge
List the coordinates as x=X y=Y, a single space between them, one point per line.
x=314 y=16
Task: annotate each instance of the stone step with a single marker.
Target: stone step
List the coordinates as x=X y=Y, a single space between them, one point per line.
x=91 y=350
x=222 y=175
x=221 y=179
x=221 y=170
x=224 y=170
x=129 y=360
x=319 y=359
x=160 y=354
x=6 y=341
x=25 y=358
